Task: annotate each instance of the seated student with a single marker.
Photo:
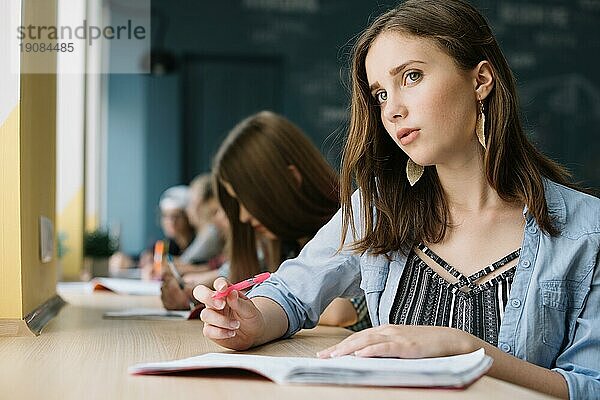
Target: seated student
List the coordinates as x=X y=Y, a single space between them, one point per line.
x=461 y=234
x=207 y=246
x=277 y=190
x=174 y=221
x=175 y=226
x=174 y=298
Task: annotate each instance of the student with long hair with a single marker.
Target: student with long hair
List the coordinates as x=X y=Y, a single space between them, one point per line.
x=176 y=298
x=277 y=191
x=200 y=261
x=461 y=234
x=201 y=209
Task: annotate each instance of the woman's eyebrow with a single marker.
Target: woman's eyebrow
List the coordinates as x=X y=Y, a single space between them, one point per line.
x=396 y=70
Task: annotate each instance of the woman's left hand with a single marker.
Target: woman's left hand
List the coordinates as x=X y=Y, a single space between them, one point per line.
x=172 y=296
x=404 y=341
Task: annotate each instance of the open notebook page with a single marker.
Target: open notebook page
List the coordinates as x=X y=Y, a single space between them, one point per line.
x=128 y=286
x=454 y=371
x=146 y=313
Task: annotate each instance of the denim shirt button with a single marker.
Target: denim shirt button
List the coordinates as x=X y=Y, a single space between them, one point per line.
x=532 y=230
x=516 y=303
x=525 y=264
x=505 y=347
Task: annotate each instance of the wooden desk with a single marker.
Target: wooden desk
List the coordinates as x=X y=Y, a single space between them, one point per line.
x=79 y=355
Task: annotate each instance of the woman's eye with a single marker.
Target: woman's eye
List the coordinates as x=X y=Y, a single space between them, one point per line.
x=412 y=77
x=381 y=96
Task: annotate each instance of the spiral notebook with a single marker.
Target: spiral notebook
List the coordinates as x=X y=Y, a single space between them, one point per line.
x=442 y=372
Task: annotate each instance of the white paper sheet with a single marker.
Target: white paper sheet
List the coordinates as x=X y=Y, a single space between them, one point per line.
x=147 y=313
x=130 y=286
x=455 y=371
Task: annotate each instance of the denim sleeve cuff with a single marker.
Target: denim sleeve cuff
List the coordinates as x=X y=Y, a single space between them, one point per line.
x=269 y=291
x=580 y=386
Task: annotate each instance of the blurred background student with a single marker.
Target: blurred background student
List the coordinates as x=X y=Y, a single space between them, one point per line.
x=176 y=228
x=172 y=296
x=206 y=249
x=277 y=191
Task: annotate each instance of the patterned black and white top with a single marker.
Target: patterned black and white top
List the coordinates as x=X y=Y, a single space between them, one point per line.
x=425 y=298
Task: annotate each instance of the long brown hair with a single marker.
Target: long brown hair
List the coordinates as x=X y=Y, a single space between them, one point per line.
x=254 y=159
x=201 y=192
x=405 y=214
x=202 y=186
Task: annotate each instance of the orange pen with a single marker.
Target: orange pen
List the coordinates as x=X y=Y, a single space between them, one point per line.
x=159 y=249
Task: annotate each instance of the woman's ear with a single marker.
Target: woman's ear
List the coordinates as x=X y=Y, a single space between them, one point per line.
x=296 y=174
x=483 y=79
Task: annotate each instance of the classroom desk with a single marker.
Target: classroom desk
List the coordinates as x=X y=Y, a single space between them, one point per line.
x=79 y=355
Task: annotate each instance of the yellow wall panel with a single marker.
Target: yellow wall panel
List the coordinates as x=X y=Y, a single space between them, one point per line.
x=70 y=222
x=38 y=184
x=10 y=225
x=28 y=179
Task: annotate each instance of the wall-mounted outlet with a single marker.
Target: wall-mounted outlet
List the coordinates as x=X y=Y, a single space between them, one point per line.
x=46 y=239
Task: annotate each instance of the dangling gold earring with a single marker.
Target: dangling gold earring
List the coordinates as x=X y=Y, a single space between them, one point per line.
x=414 y=171
x=480 y=126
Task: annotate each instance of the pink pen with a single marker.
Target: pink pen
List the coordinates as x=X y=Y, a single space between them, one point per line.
x=243 y=285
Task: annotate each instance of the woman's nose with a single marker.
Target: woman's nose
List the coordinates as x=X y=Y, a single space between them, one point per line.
x=394 y=108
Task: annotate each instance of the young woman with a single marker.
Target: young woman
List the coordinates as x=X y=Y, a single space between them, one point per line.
x=461 y=234
x=209 y=241
x=277 y=190
x=201 y=259
x=175 y=298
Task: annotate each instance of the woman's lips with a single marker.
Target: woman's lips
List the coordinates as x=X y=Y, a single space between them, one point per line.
x=407 y=135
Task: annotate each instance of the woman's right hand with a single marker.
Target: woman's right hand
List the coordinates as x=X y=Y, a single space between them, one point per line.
x=233 y=322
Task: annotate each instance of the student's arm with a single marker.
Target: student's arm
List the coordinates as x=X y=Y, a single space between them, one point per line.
x=208 y=277
x=201 y=278
x=291 y=299
x=349 y=313
x=579 y=363
x=512 y=369
x=414 y=341
x=185 y=269
x=207 y=244
x=306 y=285
x=340 y=312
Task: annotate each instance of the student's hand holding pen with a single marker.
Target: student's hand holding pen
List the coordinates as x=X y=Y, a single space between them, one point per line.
x=237 y=322
x=233 y=321
x=173 y=296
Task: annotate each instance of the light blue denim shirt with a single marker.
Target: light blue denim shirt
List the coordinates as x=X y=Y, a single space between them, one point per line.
x=552 y=318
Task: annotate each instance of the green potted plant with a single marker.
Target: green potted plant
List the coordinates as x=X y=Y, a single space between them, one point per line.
x=98 y=246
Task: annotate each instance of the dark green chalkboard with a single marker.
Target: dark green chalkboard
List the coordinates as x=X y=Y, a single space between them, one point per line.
x=553 y=47
x=554 y=50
